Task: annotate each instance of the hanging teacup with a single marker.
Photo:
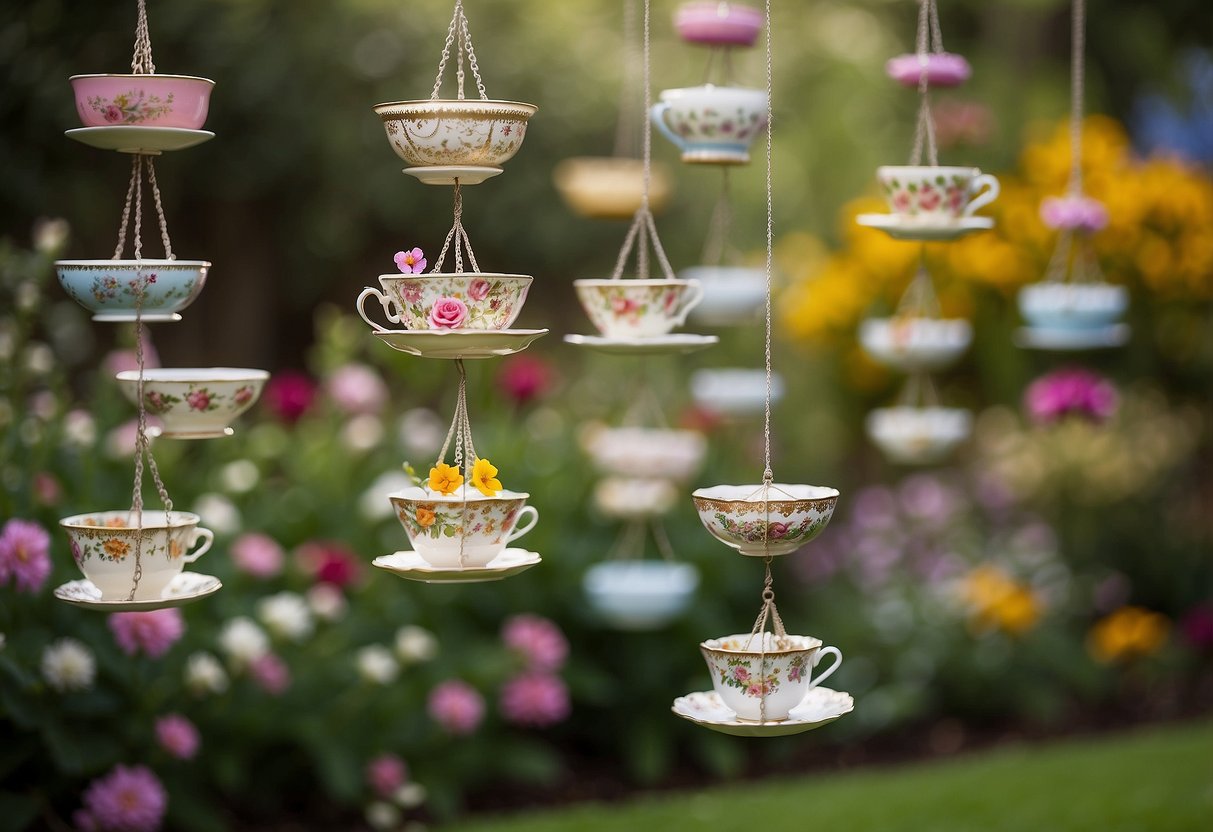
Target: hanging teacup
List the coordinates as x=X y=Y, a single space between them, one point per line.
x=435 y=301
x=918 y=435
x=110 y=288
x=610 y=187
x=640 y=594
x=712 y=125
x=111 y=100
x=915 y=343
x=1053 y=305
x=761 y=520
x=731 y=294
x=195 y=403
x=761 y=677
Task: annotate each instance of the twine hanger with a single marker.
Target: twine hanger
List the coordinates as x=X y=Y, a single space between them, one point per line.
x=459 y=235
x=930 y=37
x=458 y=30
x=141 y=61
x=919 y=299
x=134 y=199
x=630 y=543
x=768 y=614
x=718 y=248
x=625 y=128
x=460 y=434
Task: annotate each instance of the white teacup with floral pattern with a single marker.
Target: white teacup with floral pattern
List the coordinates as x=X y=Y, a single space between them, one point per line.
x=758 y=521
x=195 y=403
x=932 y=194
x=445 y=132
x=464 y=528
x=712 y=125
x=103 y=546
x=760 y=687
x=637 y=308
x=469 y=300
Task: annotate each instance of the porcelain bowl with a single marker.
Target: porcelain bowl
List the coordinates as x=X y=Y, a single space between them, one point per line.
x=654 y=453
x=455 y=133
x=912 y=343
x=634 y=498
x=734 y=391
x=109 y=288
x=764 y=676
x=109 y=100
x=610 y=187
x=640 y=594
x=794 y=515
x=918 y=435
x=464 y=529
x=489 y=300
x=731 y=294
x=195 y=403
x=714 y=23
x=1073 y=305
x=636 y=308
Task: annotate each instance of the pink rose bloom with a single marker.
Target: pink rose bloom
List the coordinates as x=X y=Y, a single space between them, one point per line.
x=128 y=799
x=328 y=562
x=538 y=640
x=243 y=395
x=448 y=313
x=535 y=699
x=943 y=69
x=929 y=198
x=1074 y=212
x=478 y=289
x=150 y=632
x=198 y=399
x=456 y=706
x=410 y=262
x=271 y=674
x=356 y=388
x=1070 y=391
x=385 y=774
x=289 y=395
x=901 y=201
x=24 y=555
x=623 y=306
x=118 y=361
x=112 y=114
x=257 y=554
x=524 y=378
x=178 y=736
x=777 y=531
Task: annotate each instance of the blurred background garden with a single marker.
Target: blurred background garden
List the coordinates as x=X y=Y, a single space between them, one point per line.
x=1054 y=576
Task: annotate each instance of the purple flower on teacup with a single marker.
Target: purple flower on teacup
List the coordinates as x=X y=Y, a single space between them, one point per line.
x=411 y=293
x=410 y=262
x=198 y=399
x=74 y=547
x=478 y=289
x=448 y=313
x=112 y=114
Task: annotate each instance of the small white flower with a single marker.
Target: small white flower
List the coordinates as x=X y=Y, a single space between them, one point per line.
x=50 y=235
x=382 y=816
x=410 y=795
x=376 y=664
x=421 y=432
x=27 y=296
x=286 y=615
x=39 y=358
x=240 y=477
x=68 y=665
x=362 y=432
x=326 y=601
x=374 y=503
x=218 y=512
x=79 y=429
x=415 y=644
x=204 y=674
x=243 y=640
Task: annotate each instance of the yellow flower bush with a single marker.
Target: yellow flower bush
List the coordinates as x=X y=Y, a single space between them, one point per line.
x=484 y=477
x=1128 y=633
x=996 y=601
x=445 y=479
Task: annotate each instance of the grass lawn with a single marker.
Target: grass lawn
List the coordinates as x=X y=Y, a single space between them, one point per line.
x=1152 y=780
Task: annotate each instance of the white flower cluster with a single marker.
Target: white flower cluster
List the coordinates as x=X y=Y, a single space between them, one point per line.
x=68 y=665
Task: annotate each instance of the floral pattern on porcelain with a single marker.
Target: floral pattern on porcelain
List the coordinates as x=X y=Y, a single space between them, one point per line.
x=455 y=133
x=449 y=520
x=710 y=123
x=462 y=529
x=765 y=685
x=637 y=308
x=492 y=301
x=114 y=286
x=942 y=195
x=742 y=523
x=132 y=107
x=197 y=401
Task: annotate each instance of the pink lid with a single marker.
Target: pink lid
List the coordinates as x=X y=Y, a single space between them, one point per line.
x=717 y=23
x=943 y=69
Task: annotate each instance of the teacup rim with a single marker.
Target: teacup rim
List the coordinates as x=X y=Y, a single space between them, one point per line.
x=152 y=519
x=146 y=262
x=972 y=169
x=470 y=104
x=161 y=375
x=141 y=76
x=829 y=493
x=720 y=87
x=604 y=282
x=423 y=496
x=445 y=275
x=708 y=647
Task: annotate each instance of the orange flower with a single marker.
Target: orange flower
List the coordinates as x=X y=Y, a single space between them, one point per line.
x=445 y=479
x=115 y=548
x=998 y=602
x=484 y=477
x=1128 y=633
x=426 y=516
x=175 y=549
x=115 y=523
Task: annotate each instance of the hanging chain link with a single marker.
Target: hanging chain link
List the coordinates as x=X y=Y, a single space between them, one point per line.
x=625 y=129
x=459 y=31
x=1078 y=25
x=459 y=235
x=718 y=248
x=141 y=61
x=768 y=475
x=929 y=39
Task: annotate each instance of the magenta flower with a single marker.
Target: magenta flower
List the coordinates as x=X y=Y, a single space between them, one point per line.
x=1070 y=391
x=478 y=289
x=178 y=736
x=537 y=640
x=356 y=388
x=112 y=114
x=456 y=706
x=328 y=562
x=257 y=554
x=289 y=395
x=1075 y=212
x=448 y=313
x=198 y=399
x=1197 y=627
x=128 y=799
x=24 y=555
x=524 y=378
x=385 y=774
x=410 y=262
x=943 y=69
x=535 y=699
x=152 y=633
x=271 y=674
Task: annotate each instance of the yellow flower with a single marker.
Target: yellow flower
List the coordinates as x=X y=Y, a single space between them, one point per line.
x=445 y=478
x=998 y=602
x=484 y=477
x=1126 y=634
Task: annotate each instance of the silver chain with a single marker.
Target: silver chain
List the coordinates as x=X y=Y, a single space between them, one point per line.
x=459 y=31
x=459 y=235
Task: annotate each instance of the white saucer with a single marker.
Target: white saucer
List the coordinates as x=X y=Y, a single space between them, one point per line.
x=129 y=317
x=901 y=229
x=410 y=566
x=161 y=433
x=181 y=590
x=1094 y=338
x=678 y=343
x=128 y=139
x=820 y=707
x=446 y=175
x=459 y=343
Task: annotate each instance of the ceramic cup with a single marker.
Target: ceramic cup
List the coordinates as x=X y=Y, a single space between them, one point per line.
x=764 y=676
x=734 y=391
x=918 y=435
x=1073 y=306
x=109 y=288
x=637 y=308
x=471 y=300
x=712 y=125
x=936 y=194
x=640 y=594
x=634 y=498
x=142 y=100
x=915 y=343
x=196 y=403
x=715 y=23
x=440 y=527
x=455 y=133
x=790 y=517
x=103 y=546
x=610 y=187
x=731 y=294
x=658 y=453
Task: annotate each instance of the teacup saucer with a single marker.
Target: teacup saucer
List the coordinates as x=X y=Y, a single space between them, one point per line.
x=447 y=174
x=459 y=343
x=1057 y=338
x=163 y=433
x=181 y=590
x=410 y=566
x=129 y=139
x=678 y=343
x=821 y=706
x=129 y=317
x=900 y=229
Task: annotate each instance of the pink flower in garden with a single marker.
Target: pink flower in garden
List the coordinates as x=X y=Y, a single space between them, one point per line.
x=537 y=640
x=24 y=555
x=410 y=262
x=1197 y=627
x=448 y=313
x=535 y=699
x=925 y=497
x=385 y=774
x=112 y=114
x=257 y=554
x=198 y=399
x=962 y=122
x=1070 y=391
x=117 y=361
x=328 y=562
x=1075 y=212
x=525 y=377
x=47 y=490
x=456 y=706
x=289 y=395
x=151 y=632
x=178 y=736
x=478 y=289
x=270 y=673
x=356 y=388
x=128 y=799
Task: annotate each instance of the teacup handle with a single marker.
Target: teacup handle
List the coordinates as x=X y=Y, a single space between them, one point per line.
x=519 y=529
x=657 y=116
x=384 y=301
x=209 y=537
x=690 y=299
x=986 y=197
x=830 y=670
